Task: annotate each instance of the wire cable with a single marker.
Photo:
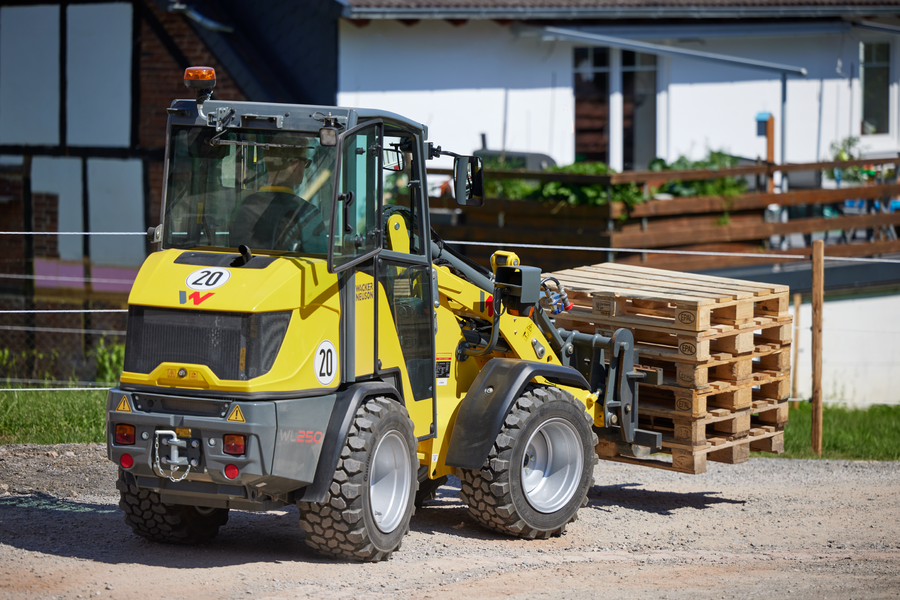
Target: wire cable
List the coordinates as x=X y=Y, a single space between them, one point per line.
x=92 y=310
x=60 y=389
x=681 y=252
x=61 y=330
x=73 y=233
x=59 y=278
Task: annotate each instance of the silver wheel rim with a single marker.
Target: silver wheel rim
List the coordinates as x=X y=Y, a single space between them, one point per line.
x=389 y=482
x=551 y=466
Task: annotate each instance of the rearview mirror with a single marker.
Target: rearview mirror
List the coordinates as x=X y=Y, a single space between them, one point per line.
x=468 y=179
x=392 y=160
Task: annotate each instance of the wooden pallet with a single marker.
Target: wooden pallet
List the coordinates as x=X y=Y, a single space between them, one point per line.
x=732 y=395
x=721 y=366
x=685 y=346
x=724 y=349
x=688 y=433
x=693 y=462
x=641 y=296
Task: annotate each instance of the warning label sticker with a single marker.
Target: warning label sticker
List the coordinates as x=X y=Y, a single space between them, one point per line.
x=236 y=415
x=442 y=368
x=123 y=405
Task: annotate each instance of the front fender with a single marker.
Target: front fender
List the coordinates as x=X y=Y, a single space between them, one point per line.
x=492 y=394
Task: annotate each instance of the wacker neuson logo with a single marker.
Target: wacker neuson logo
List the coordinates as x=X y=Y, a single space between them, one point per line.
x=183 y=297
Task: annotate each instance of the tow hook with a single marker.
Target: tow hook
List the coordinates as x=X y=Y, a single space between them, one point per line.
x=174 y=460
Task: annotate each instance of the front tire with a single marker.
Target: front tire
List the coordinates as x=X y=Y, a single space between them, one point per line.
x=539 y=469
x=150 y=518
x=369 y=504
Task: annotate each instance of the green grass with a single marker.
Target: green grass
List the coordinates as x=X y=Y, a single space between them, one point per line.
x=67 y=417
x=52 y=417
x=847 y=433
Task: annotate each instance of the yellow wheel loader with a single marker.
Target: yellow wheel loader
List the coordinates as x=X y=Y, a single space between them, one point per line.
x=302 y=337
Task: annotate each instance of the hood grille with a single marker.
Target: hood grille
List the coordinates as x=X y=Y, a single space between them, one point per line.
x=235 y=346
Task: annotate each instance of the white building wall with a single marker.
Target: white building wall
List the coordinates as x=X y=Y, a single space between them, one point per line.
x=860 y=355
x=463 y=81
x=714 y=105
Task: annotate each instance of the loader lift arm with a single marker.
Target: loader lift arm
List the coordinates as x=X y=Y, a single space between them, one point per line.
x=604 y=366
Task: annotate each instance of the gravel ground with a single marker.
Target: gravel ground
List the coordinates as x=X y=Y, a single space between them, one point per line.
x=766 y=528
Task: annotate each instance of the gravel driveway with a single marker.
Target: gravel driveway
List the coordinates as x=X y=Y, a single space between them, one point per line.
x=767 y=528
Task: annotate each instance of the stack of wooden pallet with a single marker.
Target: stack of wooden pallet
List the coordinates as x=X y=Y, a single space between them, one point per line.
x=723 y=346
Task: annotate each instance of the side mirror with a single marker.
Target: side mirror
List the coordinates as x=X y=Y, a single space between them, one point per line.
x=468 y=179
x=392 y=160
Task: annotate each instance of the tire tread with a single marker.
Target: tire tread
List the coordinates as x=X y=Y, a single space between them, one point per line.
x=488 y=492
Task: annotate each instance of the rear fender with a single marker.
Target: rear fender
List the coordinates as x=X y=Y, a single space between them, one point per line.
x=345 y=406
x=490 y=397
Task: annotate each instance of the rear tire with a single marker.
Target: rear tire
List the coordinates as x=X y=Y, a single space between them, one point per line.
x=369 y=504
x=539 y=469
x=150 y=518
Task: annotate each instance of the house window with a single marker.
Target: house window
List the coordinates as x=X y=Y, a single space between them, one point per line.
x=639 y=109
x=874 y=78
x=592 y=104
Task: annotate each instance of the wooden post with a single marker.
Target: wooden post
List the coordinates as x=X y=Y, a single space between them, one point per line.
x=796 y=350
x=770 y=153
x=818 y=298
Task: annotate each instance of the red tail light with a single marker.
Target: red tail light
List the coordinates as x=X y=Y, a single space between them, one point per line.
x=125 y=434
x=234 y=444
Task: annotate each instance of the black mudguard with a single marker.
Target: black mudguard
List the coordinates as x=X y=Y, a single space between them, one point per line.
x=341 y=418
x=482 y=412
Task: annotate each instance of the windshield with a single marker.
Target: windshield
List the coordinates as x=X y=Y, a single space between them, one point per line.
x=268 y=190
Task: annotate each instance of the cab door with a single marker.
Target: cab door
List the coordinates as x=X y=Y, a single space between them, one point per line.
x=405 y=273
x=386 y=286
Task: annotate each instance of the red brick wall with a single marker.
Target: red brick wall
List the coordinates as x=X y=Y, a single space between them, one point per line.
x=46 y=218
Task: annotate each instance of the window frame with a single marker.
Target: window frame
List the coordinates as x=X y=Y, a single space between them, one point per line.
x=891 y=134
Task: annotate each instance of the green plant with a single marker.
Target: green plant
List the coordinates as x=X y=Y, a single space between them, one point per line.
x=511 y=189
x=110 y=361
x=627 y=193
x=27 y=364
x=727 y=187
x=847 y=149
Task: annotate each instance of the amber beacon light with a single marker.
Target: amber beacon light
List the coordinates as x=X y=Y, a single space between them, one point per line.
x=200 y=78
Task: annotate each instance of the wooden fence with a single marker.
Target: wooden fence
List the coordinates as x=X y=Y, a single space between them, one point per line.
x=722 y=224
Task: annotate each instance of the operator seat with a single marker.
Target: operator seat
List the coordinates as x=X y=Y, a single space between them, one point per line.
x=278 y=221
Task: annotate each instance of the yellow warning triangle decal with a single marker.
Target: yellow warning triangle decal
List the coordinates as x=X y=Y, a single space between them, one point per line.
x=123 y=405
x=236 y=415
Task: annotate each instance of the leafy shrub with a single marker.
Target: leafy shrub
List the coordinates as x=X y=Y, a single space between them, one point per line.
x=628 y=193
x=110 y=361
x=28 y=364
x=847 y=149
x=722 y=186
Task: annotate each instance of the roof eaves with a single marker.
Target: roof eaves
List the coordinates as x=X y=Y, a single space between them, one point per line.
x=627 y=12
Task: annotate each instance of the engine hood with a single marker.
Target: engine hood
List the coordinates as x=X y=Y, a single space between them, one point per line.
x=208 y=281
